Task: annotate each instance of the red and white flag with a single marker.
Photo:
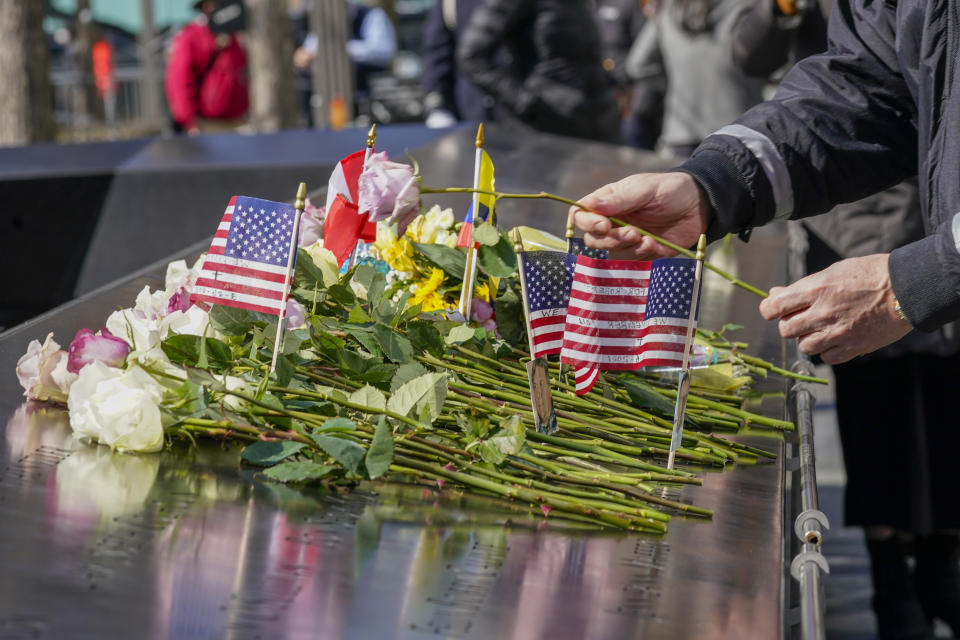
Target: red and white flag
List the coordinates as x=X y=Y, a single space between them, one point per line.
x=344 y=224
x=246 y=265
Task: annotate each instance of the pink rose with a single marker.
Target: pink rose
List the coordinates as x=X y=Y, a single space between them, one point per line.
x=89 y=347
x=179 y=301
x=481 y=310
x=42 y=371
x=296 y=315
x=311 y=224
x=389 y=190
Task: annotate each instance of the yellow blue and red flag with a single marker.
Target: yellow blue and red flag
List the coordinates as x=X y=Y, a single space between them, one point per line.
x=486 y=202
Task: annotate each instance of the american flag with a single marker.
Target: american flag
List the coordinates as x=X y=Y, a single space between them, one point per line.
x=626 y=314
x=547 y=276
x=578 y=246
x=247 y=262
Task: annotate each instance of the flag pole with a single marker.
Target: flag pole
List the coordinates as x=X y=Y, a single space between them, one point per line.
x=683 y=384
x=538 y=378
x=298 y=205
x=571 y=230
x=470 y=266
x=371 y=142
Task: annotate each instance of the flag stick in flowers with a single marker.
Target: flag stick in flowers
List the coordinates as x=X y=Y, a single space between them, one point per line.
x=347 y=221
x=368 y=232
x=481 y=209
x=291 y=260
x=541 y=398
x=683 y=384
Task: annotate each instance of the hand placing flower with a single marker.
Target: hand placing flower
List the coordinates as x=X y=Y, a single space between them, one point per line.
x=42 y=371
x=88 y=347
x=117 y=407
x=389 y=191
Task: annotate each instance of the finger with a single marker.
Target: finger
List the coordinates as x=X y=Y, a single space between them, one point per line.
x=617 y=238
x=592 y=223
x=784 y=300
x=838 y=354
x=800 y=323
x=815 y=343
x=650 y=249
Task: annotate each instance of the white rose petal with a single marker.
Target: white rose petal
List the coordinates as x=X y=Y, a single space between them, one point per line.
x=117 y=408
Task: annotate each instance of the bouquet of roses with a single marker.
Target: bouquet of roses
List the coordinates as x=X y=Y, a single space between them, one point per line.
x=380 y=380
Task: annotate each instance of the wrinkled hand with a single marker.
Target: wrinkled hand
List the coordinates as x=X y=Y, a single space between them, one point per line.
x=670 y=205
x=841 y=312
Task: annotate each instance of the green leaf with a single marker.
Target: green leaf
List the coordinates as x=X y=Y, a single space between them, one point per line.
x=192 y=398
x=363 y=275
x=729 y=327
x=378 y=375
x=499 y=260
x=203 y=378
x=375 y=290
x=337 y=424
x=310 y=273
x=490 y=453
x=354 y=362
x=285 y=371
x=447 y=258
x=328 y=345
x=424 y=336
x=266 y=454
x=486 y=234
x=646 y=397
x=298 y=471
x=395 y=346
x=460 y=333
x=342 y=294
x=230 y=321
x=369 y=397
x=364 y=335
x=359 y=315
x=380 y=454
x=421 y=398
x=510 y=437
x=509 y=316
x=185 y=349
x=346 y=452
x=406 y=373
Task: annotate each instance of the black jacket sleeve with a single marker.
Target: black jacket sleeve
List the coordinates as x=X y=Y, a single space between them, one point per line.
x=843 y=125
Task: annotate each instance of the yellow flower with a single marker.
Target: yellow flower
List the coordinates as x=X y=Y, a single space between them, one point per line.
x=396 y=253
x=432 y=227
x=427 y=287
x=482 y=291
x=434 y=302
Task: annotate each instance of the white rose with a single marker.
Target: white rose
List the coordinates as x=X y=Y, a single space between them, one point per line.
x=116 y=407
x=445 y=219
x=191 y=322
x=42 y=371
x=153 y=304
x=141 y=332
x=325 y=261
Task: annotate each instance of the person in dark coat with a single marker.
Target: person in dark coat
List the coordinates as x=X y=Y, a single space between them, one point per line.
x=555 y=80
x=900 y=508
x=447 y=95
x=641 y=102
x=881 y=104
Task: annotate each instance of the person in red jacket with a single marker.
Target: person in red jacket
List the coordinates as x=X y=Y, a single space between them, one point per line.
x=206 y=73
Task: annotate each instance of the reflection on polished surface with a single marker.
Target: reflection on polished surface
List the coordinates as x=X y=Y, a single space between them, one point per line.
x=187 y=543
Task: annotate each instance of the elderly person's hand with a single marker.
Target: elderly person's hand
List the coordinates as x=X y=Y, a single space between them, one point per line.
x=670 y=205
x=846 y=310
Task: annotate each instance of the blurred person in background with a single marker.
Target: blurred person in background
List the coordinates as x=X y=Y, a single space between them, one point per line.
x=371 y=47
x=907 y=509
x=553 y=79
x=691 y=41
x=641 y=101
x=449 y=97
x=206 y=76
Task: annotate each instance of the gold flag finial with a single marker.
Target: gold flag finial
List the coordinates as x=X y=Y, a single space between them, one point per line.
x=301 y=200
x=517 y=240
x=372 y=135
x=571 y=224
x=702 y=247
x=479 y=140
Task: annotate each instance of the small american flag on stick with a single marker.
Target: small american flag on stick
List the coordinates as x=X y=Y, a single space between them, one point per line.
x=247 y=262
x=547 y=276
x=626 y=314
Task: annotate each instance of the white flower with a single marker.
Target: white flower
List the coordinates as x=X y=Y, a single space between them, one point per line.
x=179 y=276
x=118 y=408
x=42 y=371
x=153 y=304
x=142 y=332
x=194 y=321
